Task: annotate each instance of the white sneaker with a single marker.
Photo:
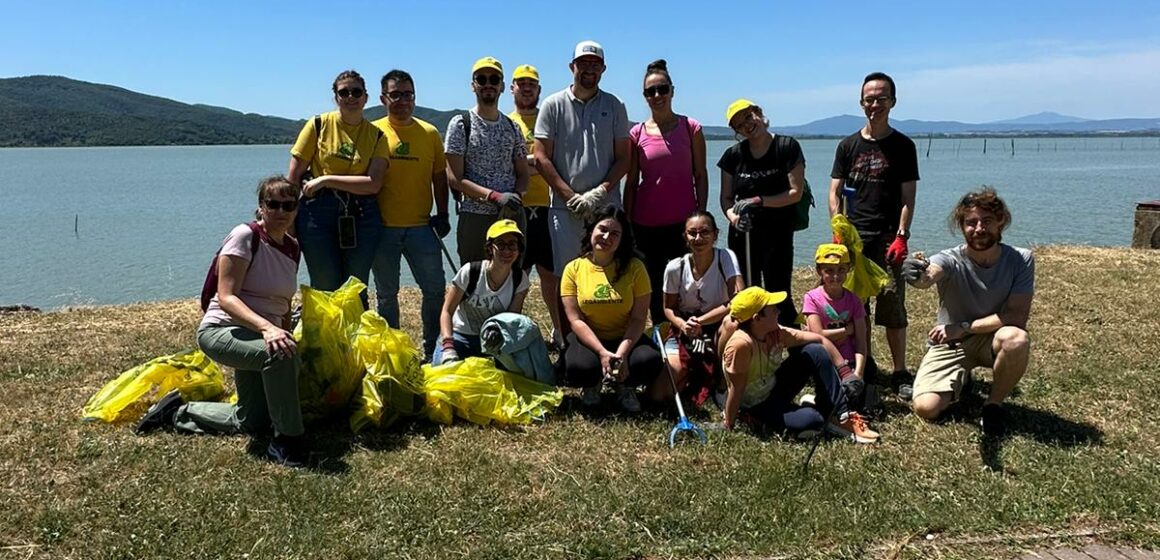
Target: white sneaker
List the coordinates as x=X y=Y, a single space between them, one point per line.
x=626 y=396
x=809 y=400
x=590 y=396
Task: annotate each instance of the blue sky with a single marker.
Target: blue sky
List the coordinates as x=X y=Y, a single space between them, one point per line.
x=971 y=61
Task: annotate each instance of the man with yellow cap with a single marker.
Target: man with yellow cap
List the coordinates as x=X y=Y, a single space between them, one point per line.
x=838 y=314
x=764 y=379
x=525 y=90
x=486 y=162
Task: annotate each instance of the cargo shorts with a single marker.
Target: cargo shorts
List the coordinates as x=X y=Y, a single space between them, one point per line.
x=946 y=367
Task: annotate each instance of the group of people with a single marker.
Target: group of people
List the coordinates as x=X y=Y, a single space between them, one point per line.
x=540 y=189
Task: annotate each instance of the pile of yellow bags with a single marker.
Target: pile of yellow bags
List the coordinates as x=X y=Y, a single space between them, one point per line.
x=866 y=279
x=192 y=373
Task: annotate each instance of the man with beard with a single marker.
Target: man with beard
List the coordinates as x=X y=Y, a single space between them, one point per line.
x=526 y=95
x=985 y=289
x=582 y=151
x=486 y=162
x=881 y=165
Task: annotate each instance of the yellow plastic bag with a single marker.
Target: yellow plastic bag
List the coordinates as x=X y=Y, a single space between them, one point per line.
x=393 y=384
x=191 y=373
x=866 y=278
x=475 y=390
x=331 y=372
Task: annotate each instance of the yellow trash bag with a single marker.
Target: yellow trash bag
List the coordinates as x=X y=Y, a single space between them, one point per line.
x=331 y=372
x=393 y=384
x=866 y=278
x=190 y=372
x=475 y=390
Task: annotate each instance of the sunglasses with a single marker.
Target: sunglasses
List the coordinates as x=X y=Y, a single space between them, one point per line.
x=488 y=79
x=283 y=205
x=397 y=95
x=351 y=92
x=661 y=90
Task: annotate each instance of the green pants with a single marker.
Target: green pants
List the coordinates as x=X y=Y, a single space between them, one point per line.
x=267 y=387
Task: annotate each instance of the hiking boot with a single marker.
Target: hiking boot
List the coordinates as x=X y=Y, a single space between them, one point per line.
x=286 y=451
x=626 y=397
x=852 y=426
x=590 y=396
x=161 y=414
x=994 y=421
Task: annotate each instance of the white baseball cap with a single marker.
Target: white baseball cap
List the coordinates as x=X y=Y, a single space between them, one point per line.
x=588 y=48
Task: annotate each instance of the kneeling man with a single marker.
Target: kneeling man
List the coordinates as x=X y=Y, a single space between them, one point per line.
x=985 y=289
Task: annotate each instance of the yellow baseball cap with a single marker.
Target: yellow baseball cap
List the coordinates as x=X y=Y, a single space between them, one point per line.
x=751 y=301
x=737 y=107
x=832 y=253
x=526 y=71
x=502 y=227
x=487 y=62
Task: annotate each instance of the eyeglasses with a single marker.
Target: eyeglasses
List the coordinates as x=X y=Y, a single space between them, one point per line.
x=660 y=90
x=351 y=92
x=872 y=101
x=695 y=233
x=488 y=79
x=507 y=246
x=397 y=95
x=283 y=205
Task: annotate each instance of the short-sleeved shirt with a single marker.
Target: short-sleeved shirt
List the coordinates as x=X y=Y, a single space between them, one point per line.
x=537 y=194
x=416 y=153
x=968 y=291
x=584 y=135
x=489 y=161
x=667 y=191
x=270 y=283
x=765 y=176
x=698 y=296
x=876 y=170
x=605 y=304
x=343 y=149
x=836 y=314
x=483 y=303
x=763 y=364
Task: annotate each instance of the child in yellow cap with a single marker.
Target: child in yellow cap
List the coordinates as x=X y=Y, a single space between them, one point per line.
x=837 y=314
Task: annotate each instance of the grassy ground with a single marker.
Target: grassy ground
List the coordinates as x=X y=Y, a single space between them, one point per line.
x=1080 y=464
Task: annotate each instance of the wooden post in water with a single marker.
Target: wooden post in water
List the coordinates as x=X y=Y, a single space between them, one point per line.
x=984 y=146
x=1012 y=147
x=77 y=225
x=929 y=141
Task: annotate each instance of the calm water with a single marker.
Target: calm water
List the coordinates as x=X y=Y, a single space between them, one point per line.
x=149 y=219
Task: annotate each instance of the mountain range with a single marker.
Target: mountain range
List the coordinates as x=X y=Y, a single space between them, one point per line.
x=59 y=111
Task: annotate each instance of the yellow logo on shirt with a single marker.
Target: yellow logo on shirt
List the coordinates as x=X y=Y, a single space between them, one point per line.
x=605 y=293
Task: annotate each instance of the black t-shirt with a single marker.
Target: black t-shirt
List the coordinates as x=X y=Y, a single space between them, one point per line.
x=764 y=176
x=876 y=169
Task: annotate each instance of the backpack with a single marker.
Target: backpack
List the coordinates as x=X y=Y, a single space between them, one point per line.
x=475 y=270
x=209 y=287
x=801 y=210
x=720 y=267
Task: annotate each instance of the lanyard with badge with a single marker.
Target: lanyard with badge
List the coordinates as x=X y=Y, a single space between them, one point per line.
x=347 y=230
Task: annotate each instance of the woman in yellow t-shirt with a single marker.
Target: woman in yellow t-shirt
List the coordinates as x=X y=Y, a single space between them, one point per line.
x=606 y=297
x=339 y=160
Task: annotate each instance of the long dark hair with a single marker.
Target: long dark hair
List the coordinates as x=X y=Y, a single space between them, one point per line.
x=627 y=248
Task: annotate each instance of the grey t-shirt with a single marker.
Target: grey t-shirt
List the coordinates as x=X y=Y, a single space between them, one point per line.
x=494 y=145
x=584 y=134
x=270 y=281
x=968 y=291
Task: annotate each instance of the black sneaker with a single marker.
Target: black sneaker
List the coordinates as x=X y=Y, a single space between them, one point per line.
x=900 y=377
x=161 y=414
x=994 y=421
x=286 y=451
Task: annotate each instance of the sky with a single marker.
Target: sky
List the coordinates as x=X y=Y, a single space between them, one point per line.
x=974 y=61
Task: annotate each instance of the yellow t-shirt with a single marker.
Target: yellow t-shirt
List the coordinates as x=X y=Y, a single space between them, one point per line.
x=343 y=149
x=537 y=194
x=605 y=305
x=763 y=363
x=416 y=153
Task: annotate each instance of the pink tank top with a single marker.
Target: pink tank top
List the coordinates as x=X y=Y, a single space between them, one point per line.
x=666 y=194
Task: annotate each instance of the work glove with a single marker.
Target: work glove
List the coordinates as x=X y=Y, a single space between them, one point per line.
x=507 y=200
x=586 y=204
x=578 y=206
x=897 y=251
x=441 y=223
x=913 y=269
x=745 y=205
x=744 y=223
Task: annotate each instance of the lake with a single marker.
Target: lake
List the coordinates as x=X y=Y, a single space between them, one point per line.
x=148 y=219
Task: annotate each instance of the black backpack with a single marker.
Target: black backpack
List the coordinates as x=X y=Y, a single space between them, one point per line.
x=475 y=269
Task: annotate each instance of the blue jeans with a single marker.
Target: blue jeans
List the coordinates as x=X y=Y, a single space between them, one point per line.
x=812 y=364
x=317 y=228
x=421 y=248
x=466 y=345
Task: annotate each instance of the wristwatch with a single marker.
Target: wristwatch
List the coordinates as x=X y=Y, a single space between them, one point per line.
x=903 y=233
x=966 y=326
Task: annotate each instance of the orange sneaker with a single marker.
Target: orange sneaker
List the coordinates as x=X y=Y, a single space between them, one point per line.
x=854 y=427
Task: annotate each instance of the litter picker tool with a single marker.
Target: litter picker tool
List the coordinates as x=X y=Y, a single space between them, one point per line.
x=683 y=423
x=446 y=253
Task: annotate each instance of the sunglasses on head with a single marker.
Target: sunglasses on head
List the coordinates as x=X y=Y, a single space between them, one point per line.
x=351 y=92
x=663 y=89
x=397 y=95
x=283 y=205
x=488 y=79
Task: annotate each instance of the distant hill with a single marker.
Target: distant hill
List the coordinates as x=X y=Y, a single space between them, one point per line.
x=1046 y=117
x=433 y=116
x=844 y=125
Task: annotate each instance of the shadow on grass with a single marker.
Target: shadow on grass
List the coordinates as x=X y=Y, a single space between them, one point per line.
x=329 y=442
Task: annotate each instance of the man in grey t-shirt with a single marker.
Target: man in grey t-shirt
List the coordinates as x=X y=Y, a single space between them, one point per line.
x=985 y=289
x=582 y=150
x=490 y=168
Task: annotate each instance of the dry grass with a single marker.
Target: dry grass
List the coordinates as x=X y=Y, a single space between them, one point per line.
x=1080 y=464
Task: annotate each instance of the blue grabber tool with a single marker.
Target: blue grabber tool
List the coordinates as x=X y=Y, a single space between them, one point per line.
x=683 y=423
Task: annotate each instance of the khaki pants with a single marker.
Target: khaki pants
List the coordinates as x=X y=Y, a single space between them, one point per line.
x=946 y=367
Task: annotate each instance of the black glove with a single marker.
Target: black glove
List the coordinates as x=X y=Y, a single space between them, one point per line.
x=853 y=388
x=913 y=269
x=745 y=223
x=441 y=223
